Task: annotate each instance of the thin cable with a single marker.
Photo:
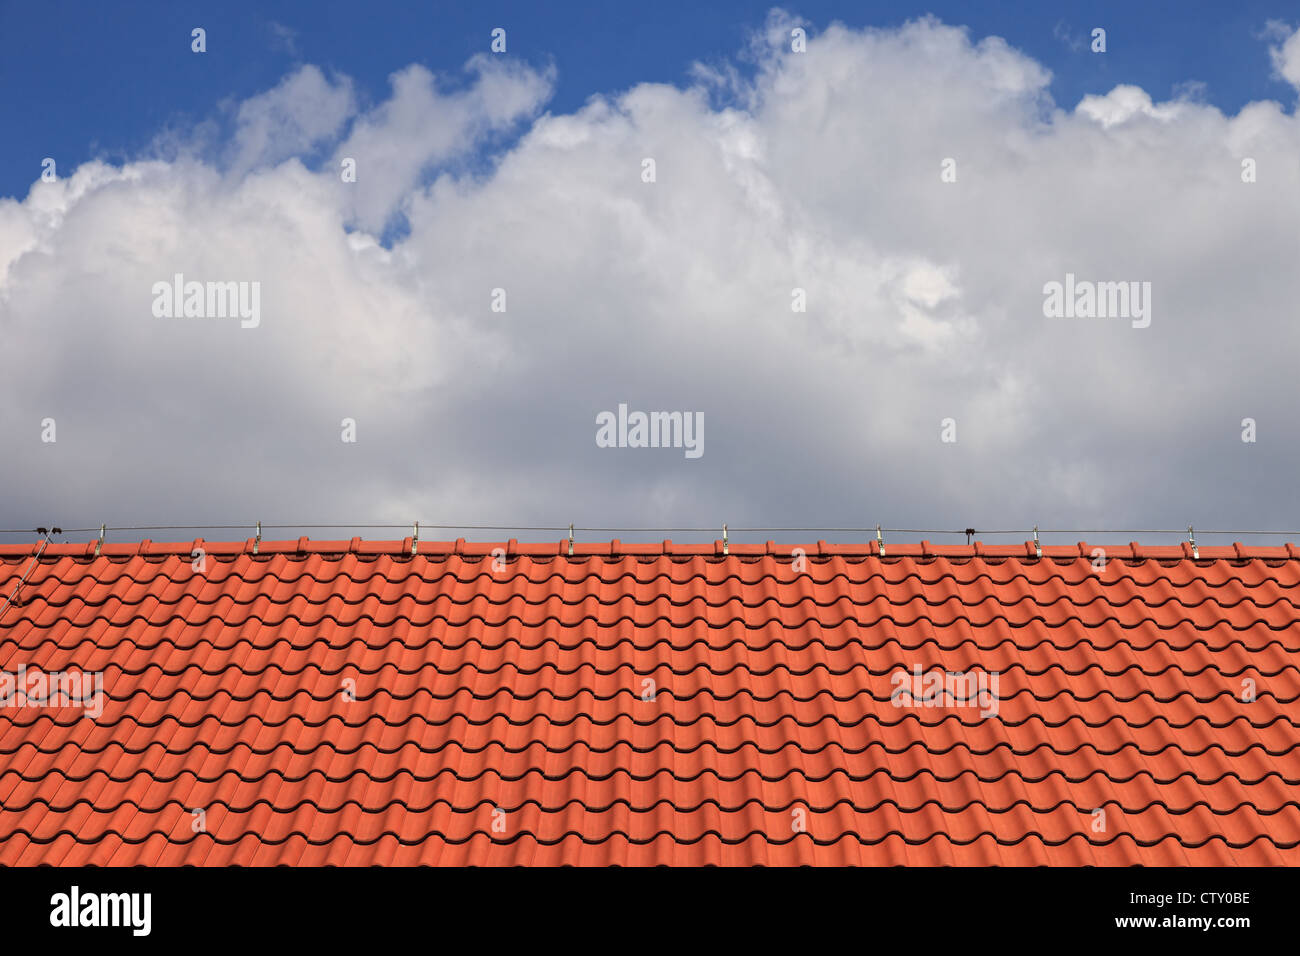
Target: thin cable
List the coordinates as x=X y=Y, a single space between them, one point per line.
x=23 y=580
x=660 y=530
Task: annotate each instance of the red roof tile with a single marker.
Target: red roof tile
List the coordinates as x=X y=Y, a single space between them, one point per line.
x=505 y=716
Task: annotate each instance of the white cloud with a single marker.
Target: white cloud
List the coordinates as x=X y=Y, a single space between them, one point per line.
x=303 y=111
x=924 y=302
x=420 y=127
x=1286 y=55
x=1122 y=104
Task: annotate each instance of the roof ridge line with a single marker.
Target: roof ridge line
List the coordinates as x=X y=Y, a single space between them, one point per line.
x=615 y=549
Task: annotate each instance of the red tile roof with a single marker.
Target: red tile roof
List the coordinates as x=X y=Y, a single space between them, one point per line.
x=504 y=714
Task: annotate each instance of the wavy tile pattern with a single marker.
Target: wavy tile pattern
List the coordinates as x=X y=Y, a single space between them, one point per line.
x=356 y=703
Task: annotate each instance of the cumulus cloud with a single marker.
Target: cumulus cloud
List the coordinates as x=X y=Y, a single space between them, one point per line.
x=421 y=127
x=818 y=171
x=304 y=110
x=1122 y=104
x=1286 y=54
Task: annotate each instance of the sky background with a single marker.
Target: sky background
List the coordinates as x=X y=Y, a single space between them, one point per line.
x=775 y=170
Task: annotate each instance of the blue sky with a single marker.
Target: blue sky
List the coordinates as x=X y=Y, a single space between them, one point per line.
x=100 y=80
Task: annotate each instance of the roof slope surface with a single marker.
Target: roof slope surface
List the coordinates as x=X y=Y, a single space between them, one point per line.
x=353 y=703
